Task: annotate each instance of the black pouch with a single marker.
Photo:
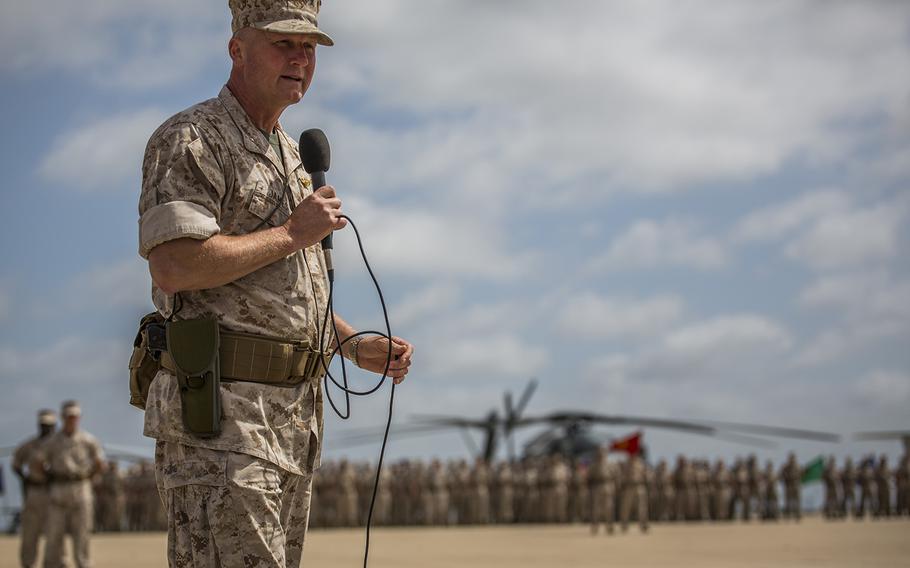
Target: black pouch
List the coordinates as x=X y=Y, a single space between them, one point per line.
x=193 y=346
x=145 y=359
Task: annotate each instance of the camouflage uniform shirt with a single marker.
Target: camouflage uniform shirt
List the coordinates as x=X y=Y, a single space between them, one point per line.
x=210 y=170
x=70 y=460
x=25 y=458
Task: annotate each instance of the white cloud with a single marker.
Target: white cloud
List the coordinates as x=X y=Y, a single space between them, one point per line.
x=828 y=230
x=431 y=243
x=723 y=349
x=843 y=341
x=652 y=97
x=727 y=334
x=860 y=295
x=884 y=388
x=592 y=316
x=130 y=44
x=851 y=238
x=650 y=244
x=870 y=307
x=479 y=358
x=429 y=302
x=101 y=155
x=781 y=220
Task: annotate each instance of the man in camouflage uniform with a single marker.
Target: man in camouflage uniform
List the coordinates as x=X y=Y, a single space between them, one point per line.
x=347 y=495
x=770 y=497
x=702 y=478
x=109 y=499
x=867 y=490
x=438 y=493
x=883 y=485
x=602 y=488
x=634 y=493
x=553 y=489
x=791 y=475
x=848 y=489
x=505 y=493
x=902 y=483
x=720 y=479
x=230 y=222
x=682 y=482
x=479 y=493
x=666 y=492
x=831 y=480
x=578 y=492
x=71 y=458
x=28 y=467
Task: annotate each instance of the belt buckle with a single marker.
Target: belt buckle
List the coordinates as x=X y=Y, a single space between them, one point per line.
x=326 y=358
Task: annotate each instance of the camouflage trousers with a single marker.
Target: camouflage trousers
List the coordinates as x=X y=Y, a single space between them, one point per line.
x=72 y=518
x=603 y=506
x=230 y=509
x=34 y=519
x=634 y=498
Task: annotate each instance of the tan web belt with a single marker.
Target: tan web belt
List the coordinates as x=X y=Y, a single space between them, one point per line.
x=250 y=358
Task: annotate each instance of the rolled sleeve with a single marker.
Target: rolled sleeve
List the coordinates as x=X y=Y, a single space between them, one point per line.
x=174 y=220
x=183 y=186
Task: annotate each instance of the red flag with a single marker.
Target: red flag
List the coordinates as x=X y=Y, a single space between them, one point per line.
x=630 y=444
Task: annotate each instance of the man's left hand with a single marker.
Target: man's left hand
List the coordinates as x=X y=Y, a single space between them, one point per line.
x=373 y=352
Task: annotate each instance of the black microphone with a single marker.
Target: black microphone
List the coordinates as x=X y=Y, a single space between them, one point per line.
x=316 y=156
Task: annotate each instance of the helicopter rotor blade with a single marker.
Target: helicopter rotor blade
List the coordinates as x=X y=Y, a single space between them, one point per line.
x=510 y=411
x=613 y=420
x=526 y=397
x=469 y=442
x=397 y=430
x=776 y=431
x=746 y=440
x=364 y=440
x=882 y=435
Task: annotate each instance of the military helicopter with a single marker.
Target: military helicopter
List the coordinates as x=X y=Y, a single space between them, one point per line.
x=570 y=433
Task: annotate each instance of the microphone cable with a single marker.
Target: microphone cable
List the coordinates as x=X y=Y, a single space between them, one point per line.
x=344 y=387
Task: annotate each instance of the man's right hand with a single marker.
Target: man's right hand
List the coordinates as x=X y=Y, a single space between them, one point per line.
x=315 y=217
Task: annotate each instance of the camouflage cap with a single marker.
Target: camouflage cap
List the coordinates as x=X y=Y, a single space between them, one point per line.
x=47 y=417
x=282 y=16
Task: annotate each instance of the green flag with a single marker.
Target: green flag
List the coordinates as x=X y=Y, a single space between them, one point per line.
x=814 y=470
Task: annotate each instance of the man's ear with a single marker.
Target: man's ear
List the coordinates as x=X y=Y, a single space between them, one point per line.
x=235 y=49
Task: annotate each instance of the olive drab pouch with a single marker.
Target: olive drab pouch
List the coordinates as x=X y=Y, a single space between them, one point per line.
x=145 y=360
x=193 y=347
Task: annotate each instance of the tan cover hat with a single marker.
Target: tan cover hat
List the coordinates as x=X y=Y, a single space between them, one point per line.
x=47 y=417
x=70 y=408
x=282 y=16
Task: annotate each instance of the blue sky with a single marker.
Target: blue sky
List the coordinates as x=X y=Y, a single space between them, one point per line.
x=691 y=210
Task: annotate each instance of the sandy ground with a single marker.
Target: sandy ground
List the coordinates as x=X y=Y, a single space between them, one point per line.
x=811 y=543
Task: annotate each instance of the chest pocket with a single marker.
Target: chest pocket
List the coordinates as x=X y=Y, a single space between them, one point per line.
x=269 y=202
x=264 y=196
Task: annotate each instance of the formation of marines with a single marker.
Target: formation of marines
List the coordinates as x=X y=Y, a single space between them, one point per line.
x=604 y=491
x=66 y=477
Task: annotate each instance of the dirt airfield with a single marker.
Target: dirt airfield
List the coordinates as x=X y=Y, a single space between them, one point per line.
x=813 y=542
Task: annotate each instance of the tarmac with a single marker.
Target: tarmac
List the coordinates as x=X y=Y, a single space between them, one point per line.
x=813 y=542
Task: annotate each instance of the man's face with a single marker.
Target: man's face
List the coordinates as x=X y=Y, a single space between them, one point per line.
x=276 y=68
x=70 y=424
